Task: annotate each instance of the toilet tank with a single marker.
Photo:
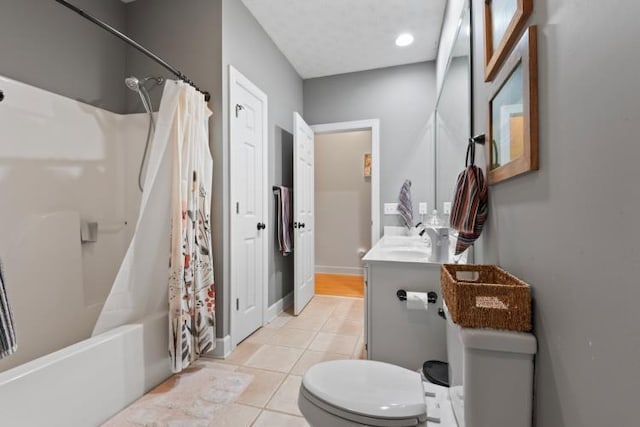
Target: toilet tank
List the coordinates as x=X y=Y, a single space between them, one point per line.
x=491 y=376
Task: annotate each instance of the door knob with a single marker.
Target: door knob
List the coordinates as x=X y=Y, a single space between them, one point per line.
x=261 y=226
x=302 y=225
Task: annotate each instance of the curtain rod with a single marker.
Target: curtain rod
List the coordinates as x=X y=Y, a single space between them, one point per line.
x=134 y=44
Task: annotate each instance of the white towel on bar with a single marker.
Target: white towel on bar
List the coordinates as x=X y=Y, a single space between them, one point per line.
x=8 y=343
x=405 y=207
x=284 y=218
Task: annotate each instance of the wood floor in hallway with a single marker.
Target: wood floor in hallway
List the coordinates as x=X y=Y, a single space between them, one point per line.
x=341 y=285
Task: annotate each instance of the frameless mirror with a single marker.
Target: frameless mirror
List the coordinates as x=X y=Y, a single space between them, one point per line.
x=453 y=114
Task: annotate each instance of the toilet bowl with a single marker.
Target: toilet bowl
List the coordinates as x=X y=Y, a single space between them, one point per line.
x=491 y=376
x=350 y=393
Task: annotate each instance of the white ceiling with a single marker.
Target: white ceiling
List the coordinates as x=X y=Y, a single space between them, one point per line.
x=327 y=37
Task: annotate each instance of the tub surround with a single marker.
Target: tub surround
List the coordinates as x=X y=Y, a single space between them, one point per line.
x=86 y=383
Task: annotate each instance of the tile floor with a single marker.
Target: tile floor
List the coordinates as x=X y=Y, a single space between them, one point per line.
x=275 y=358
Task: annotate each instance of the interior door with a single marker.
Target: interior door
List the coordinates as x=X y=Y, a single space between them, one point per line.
x=303 y=219
x=248 y=199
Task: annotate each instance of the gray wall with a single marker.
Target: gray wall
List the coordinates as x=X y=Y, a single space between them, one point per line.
x=342 y=201
x=248 y=48
x=569 y=228
x=45 y=45
x=403 y=98
x=196 y=49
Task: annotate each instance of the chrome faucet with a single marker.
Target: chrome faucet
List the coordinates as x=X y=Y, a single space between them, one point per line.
x=439 y=236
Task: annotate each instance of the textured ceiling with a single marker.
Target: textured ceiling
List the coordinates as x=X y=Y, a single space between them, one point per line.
x=327 y=37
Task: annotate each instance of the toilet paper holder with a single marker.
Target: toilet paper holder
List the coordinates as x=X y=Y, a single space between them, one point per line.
x=432 y=297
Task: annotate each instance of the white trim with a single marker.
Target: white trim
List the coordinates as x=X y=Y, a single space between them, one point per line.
x=278 y=307
x=223 y=349
x=235 y=75
x=348 y=271
x=374 y=126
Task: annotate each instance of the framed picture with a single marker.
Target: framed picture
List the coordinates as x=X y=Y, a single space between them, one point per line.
x=503 y=22
x=513 y=113
x=367 y=165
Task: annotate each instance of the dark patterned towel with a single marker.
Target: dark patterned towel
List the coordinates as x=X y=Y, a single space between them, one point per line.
x=8 y=343
x=284 y=218
x=470 y=206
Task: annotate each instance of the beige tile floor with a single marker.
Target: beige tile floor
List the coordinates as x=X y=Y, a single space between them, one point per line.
x=275 y=357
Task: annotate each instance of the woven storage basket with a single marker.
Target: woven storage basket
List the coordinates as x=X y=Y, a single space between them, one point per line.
x=486 y=296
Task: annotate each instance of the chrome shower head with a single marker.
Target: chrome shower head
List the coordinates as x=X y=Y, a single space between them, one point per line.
x=132 y=83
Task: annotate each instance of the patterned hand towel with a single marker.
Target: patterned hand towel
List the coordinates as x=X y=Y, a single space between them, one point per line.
x=470 y=206
x=405 y=206
x=8 y=343
x=284 y=218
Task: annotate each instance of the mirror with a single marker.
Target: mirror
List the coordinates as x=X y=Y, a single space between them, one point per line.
x=453 y=114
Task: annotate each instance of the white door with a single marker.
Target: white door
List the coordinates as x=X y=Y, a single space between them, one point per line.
x=248 y=168
x=303 y=219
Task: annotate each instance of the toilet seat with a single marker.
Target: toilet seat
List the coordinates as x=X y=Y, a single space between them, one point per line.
x=367 y=392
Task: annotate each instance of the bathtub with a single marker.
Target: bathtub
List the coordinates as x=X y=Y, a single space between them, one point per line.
x=86 y=383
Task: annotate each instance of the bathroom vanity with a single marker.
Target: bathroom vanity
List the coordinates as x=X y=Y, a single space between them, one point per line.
x=393 y=333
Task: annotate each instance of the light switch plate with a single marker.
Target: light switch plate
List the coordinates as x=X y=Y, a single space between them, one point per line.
x=390 y=208
x=447 y=208
x=422 y=208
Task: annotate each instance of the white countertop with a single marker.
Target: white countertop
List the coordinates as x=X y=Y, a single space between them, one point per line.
x=400 y=249
x=408 y=249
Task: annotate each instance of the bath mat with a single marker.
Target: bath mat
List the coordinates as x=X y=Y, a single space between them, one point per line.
x=191 y=398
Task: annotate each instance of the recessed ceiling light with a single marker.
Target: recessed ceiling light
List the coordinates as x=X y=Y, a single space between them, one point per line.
x=404 y=40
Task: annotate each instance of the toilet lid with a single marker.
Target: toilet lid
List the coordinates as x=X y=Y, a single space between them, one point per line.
x=366 y=387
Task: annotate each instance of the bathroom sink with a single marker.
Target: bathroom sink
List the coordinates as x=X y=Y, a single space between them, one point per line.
x=408 y=252
x=405 y=247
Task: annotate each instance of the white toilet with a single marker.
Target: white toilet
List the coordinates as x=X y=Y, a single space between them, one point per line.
x=491 y=376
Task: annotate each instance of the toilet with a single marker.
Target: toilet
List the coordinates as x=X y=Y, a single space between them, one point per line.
x=491 y=375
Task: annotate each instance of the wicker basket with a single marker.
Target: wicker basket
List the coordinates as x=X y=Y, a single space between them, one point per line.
x=486 y=296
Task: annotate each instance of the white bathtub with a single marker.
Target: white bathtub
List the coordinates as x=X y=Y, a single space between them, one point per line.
x=86 y=383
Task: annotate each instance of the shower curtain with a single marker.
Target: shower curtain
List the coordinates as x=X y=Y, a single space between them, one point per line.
x=191 y=287
x=173 y=223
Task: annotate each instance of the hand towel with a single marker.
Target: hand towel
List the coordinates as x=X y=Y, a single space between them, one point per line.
x=284 y=218
x=405 y=207
x=8 y=343
x=470 y=206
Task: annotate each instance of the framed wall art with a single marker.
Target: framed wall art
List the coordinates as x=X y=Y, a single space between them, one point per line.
x=513 y=113
x=503 y=22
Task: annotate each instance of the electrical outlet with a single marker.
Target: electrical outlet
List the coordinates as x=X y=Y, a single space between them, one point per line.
x=422 y=208
x=446 y=208
x=390 y=208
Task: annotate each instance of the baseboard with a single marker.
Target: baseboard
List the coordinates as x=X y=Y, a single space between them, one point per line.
x=278 y=307
x=222 y=350
x=350 y=271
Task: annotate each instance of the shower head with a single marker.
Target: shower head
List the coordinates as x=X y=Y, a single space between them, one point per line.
x=132 y=83
x=135 y=83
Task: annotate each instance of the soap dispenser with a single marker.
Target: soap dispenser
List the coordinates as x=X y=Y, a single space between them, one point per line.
x=446 y=214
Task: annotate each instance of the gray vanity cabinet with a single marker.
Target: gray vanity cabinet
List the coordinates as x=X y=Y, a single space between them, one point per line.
x=393 y=333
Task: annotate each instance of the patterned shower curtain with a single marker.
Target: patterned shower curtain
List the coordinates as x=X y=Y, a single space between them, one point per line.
x=191 y=285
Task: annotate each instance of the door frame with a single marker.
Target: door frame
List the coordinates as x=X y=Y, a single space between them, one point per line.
x=374 y=126
x=237 y=76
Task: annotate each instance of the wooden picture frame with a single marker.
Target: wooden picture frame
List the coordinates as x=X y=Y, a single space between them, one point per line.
x=493 y=58
x=524 y=60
